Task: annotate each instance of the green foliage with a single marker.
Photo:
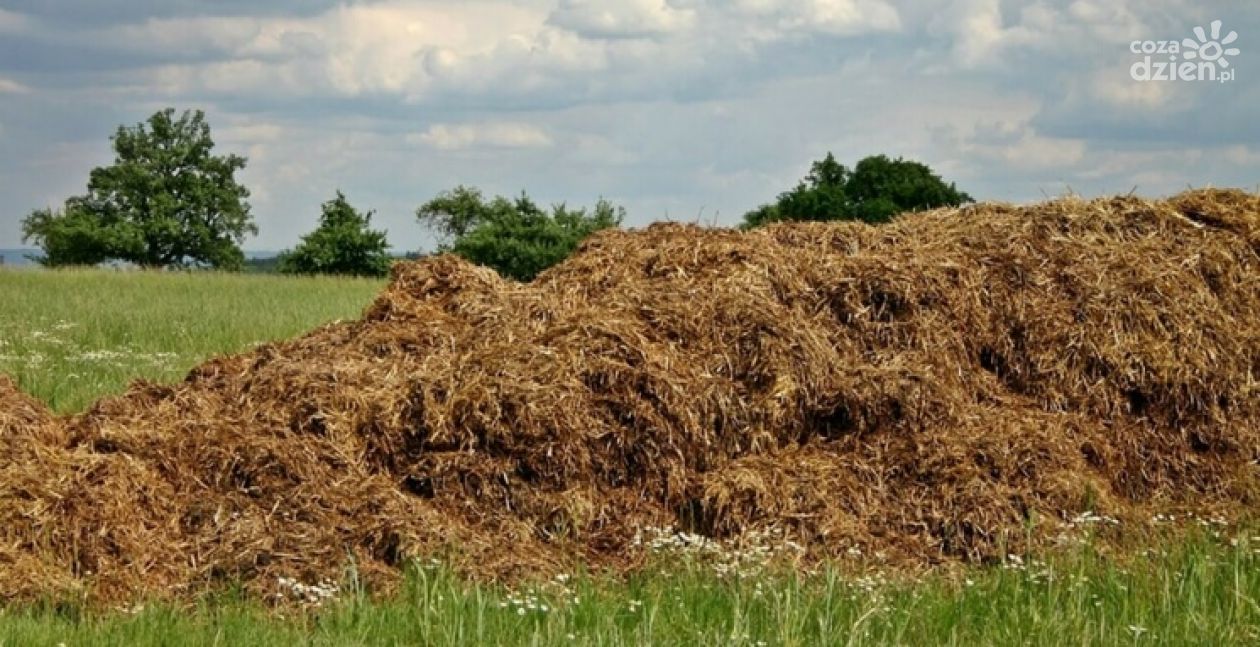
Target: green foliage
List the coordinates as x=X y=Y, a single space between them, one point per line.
x=166 y=201
x=1189 y=593
x=874 y=191
x=344 y=243
x=514 y=236
x=72 y=237
x=454 y=213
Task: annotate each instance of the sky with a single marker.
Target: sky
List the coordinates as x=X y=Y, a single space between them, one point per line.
x=685 y=110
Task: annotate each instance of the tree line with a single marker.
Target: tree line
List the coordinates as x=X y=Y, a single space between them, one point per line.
x=168 y=201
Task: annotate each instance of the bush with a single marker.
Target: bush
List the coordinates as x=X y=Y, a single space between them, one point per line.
x=514 y=236
x=877 y=189
x=344 y=243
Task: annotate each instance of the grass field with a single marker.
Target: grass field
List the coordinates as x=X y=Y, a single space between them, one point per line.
x=1203 y=592
x=69 y=337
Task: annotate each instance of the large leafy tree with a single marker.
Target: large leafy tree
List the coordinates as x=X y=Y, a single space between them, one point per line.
x=875 y=190
x=166 y=201
x=514 y=236
x=344 y=243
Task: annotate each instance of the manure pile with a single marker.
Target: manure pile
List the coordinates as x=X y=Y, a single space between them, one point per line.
x=923 y=389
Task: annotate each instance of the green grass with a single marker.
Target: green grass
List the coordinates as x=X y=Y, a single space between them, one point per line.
x=93 y=331
x=1204 y=592
x=69 y=337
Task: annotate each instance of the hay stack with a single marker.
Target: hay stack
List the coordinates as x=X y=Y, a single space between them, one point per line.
x=921 y=389
x=18 y=411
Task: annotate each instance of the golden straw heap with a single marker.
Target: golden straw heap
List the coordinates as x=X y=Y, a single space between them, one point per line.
x=947 y=387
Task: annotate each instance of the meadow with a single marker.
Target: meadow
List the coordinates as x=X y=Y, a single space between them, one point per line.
x=1200 y=592
x=70 y=337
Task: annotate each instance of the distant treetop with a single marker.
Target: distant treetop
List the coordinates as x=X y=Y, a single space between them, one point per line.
x=512 y=235
x=344 y=243
x=874 y=191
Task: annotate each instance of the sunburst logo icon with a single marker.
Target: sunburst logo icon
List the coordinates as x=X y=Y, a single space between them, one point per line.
x=1210 y=46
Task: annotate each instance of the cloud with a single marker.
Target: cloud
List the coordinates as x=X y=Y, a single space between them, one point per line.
x=453 y=137
x=8 y=86
x=1013 y=145
x=430 y=52
x=836 y=17
x=407 y=50
x=671 y=107
x=1018 y=36
x=981 y=36
x=74 y=13
x=1113 y=87
x=627 y=19
x=843 y=17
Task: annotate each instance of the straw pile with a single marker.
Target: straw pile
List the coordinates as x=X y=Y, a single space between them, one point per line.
x=929 y=389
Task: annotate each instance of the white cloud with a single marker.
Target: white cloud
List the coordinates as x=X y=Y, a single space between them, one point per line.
x=1112 y=21
x=175 y=35
x=993 y=34
x=389 y=47
x=844 y=17
x=626 y=19
x=545 y=63
x=666 y=106
x=838 y=17
x=1113 y=86
x=1015 y=145
x=450 y=137
x=980 y=35
x=8 y=86
x=486 y=52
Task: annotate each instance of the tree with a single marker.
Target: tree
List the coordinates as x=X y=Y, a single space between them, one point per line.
x=344 y=243
x=456 y=212
x=877 y=189
x=514 y=236
x=72 y=237
x=166 y=201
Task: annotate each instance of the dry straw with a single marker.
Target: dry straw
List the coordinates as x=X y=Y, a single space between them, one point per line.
x=929 y=390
